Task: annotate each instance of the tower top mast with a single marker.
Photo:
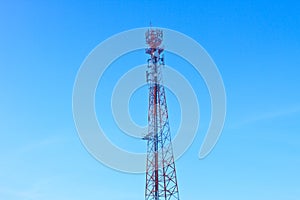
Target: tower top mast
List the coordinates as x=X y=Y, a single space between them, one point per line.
x=154 y=37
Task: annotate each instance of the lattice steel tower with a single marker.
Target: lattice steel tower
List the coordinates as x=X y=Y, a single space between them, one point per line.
x=161 y=181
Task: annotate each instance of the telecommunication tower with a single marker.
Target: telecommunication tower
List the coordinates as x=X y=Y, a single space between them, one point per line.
x=161 y=180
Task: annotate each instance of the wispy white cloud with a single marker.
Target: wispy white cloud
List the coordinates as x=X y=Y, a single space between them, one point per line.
x=31 y=192
x=267 y=116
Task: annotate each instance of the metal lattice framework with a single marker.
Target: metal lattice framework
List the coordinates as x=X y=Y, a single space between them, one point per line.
x=161 y=180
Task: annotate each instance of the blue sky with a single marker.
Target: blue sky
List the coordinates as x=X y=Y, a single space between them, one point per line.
x=256 y=46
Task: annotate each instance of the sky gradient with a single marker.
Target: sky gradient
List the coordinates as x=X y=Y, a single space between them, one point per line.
x=256 y=46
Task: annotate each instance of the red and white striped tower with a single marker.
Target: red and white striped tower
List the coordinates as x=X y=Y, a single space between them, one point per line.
x=161 y=180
